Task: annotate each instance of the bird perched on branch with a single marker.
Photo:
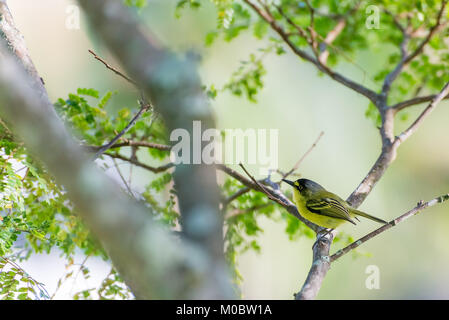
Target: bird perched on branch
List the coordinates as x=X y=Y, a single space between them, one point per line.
x=322 y=207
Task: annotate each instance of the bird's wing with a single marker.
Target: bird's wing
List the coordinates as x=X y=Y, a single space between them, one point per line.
x=330 y=207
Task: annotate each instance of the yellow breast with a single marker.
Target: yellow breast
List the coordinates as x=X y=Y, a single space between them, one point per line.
x=322 y=221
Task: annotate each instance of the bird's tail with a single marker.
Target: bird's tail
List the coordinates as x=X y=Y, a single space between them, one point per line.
x=368 y=216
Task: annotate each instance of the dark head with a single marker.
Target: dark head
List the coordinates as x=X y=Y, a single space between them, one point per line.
x=305 y=186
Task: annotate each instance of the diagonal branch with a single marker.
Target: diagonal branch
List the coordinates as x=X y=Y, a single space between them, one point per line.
x=135 y=162
x=275 y=195
x=414 y=101
x=414 y=126
x=298 y=163
x=133 y=121
x=421 y=206
x=108 y=66
x=132 y=143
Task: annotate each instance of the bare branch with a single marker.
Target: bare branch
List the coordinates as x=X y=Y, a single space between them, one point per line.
x=421 y=206
x=298 y=163
x=107 y=65
x=414 y=126
x=414 y=101
x=132 y=143
x=133 y=121
x=122 y=178
x=262 y=188
x=236 y=195
x=159 y=169
x=144 y=106
x=239 y=212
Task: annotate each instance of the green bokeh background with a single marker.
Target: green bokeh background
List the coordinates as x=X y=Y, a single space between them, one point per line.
x=412 y=258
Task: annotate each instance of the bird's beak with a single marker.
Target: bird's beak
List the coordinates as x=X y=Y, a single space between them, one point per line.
x=289 y=182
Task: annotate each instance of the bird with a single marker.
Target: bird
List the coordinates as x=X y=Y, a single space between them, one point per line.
x=322 y=207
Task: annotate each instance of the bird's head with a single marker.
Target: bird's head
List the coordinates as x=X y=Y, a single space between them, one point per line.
x=305 y=187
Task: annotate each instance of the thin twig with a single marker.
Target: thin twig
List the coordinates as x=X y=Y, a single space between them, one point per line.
x=261 y=187
x=144 y=106
x=122 y=177
x=107 y=65
x=234 y=196
x=131 y=143
x=159 y=169
x=105 y=147
x=298 y=163
x=238 y=212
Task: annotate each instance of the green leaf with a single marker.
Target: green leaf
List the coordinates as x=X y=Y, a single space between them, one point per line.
x=88 y=92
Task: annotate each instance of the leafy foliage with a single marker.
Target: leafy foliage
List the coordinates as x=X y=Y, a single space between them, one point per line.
x=36 y=216
x=236 y=17
x=36 y=213
x=17 y=284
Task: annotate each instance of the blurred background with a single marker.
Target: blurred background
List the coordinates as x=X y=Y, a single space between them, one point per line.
x=412 y=258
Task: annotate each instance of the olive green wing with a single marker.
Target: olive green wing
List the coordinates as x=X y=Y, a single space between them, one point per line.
x=330 y=207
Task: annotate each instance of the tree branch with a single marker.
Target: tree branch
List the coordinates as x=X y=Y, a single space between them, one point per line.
x=421 y=206
x=131 y=143
x=414 y=126
x=414 y=101
x=275 y=195
x=159 y=169
x=108 y=66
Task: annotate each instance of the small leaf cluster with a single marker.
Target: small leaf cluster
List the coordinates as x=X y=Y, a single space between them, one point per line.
x=17 y=284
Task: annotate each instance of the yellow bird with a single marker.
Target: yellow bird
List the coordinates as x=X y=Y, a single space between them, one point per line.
x=322 y=207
